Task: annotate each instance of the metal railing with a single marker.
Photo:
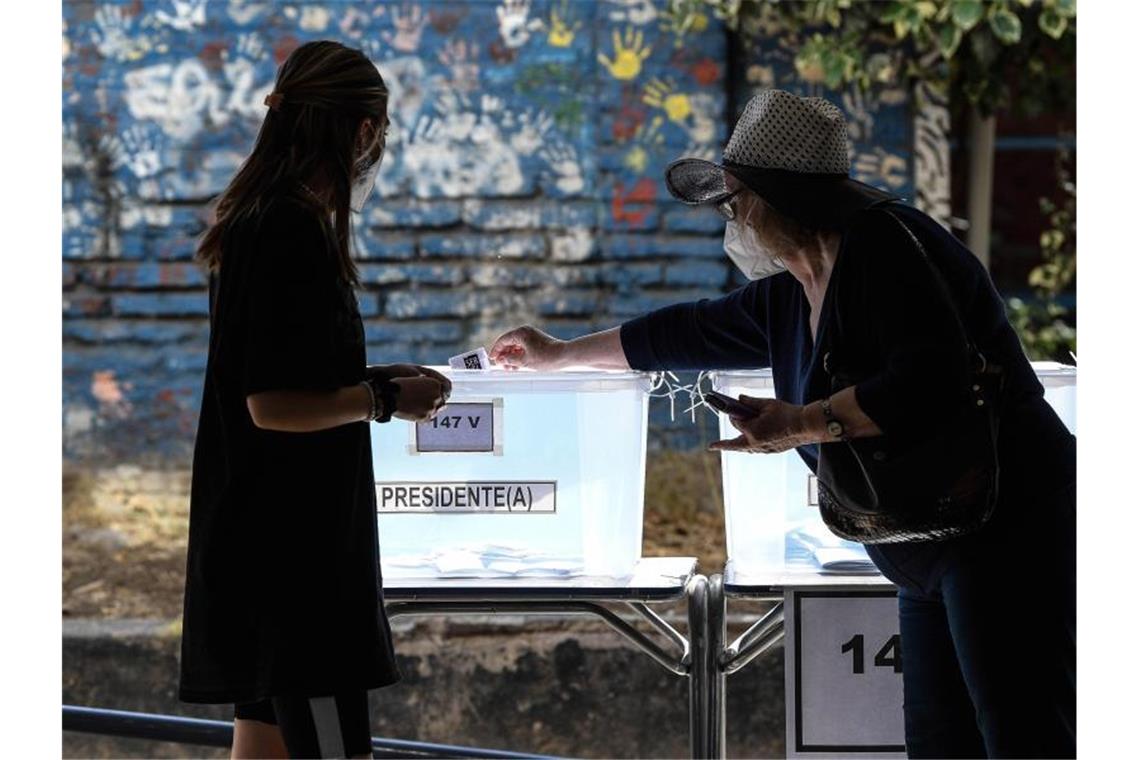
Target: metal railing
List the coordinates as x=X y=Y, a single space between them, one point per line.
x=219 y=733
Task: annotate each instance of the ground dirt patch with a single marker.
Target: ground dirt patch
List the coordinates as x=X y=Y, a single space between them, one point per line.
x=124 y=531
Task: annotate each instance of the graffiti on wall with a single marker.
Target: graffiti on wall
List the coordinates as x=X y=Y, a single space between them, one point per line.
x=931 y=148
x=879 y=127
x=523 y=178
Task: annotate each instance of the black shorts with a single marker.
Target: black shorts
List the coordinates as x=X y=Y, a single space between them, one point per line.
x=332 y=726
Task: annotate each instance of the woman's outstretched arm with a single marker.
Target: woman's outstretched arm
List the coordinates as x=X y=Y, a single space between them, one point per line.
x=531 y=348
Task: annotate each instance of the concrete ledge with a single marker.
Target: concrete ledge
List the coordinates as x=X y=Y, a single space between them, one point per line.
x=540 y=684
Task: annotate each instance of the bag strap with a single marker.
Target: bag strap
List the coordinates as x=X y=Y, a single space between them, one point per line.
x=943 y=286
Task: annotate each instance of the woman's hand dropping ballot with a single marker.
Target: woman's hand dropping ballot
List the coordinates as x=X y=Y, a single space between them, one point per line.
x=528 y=347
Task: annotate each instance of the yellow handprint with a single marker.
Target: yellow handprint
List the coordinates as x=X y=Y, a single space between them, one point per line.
x=562 y=27
x=647 y=137
x=628 y=54
x=676 y=105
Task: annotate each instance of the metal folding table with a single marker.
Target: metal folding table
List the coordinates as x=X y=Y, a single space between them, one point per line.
x=656 y=580
x=798 y=572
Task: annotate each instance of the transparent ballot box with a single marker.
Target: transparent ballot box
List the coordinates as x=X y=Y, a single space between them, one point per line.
x=520 y=474
x=1060 y=381
x=772 y=520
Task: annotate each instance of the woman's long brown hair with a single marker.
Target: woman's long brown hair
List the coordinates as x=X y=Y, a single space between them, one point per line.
x=323 y=92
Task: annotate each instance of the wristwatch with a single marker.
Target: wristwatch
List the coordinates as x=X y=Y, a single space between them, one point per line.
x=834 y=427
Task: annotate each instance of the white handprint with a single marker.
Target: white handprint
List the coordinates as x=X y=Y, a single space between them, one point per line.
x=112 y=36
x=461 y=58
x=563 y=162
x=532 y=131
x=353 y=21
x=249 y=45
x=141 y=151
x=409 y=22
x=244 y=11
x=188 y=15
x=514 y=27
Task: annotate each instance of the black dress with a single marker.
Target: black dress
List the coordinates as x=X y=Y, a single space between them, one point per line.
x=283 y=586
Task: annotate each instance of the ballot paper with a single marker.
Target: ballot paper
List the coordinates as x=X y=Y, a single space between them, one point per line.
x=474 y=359
x=486 y=561
x=830 y=553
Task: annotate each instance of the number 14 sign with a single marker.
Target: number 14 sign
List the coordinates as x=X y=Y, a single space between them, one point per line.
x=843 y=674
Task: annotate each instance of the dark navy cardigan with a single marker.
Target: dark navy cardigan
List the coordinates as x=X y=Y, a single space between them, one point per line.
x=883 y=313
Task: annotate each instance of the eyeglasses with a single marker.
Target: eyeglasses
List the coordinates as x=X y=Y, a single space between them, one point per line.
x=725 y=208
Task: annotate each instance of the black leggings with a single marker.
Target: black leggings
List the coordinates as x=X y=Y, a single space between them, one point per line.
x=332 y=726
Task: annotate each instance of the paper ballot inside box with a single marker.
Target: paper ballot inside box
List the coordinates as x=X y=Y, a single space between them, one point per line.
x=831 y=553
x=483 y=561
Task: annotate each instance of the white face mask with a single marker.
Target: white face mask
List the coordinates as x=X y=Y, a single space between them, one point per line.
x=364 y=181
x=362 y=186
x=743 y=246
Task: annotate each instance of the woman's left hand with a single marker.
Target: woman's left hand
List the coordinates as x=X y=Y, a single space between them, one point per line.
x=393 y=371
x=777 y=426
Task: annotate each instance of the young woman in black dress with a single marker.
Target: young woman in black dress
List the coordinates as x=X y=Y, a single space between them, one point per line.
x=284 y=614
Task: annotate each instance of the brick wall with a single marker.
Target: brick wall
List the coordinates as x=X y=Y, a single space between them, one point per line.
x=522 y=181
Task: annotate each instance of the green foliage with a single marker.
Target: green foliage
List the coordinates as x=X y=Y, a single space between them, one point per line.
x=976 y=46
x=1044 y=324
x=965 y=14
x=1044 y=329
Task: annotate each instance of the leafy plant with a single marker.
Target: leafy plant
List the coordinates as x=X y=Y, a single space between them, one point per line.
x=974 y=49
x=1044 y=324
x=976 y=46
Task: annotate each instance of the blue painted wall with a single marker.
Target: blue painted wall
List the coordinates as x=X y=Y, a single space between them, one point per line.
x=522 y=181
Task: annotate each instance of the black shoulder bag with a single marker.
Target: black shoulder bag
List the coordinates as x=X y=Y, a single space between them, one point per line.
x=878 y=491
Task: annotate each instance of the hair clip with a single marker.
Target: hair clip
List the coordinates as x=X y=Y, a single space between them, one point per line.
x=274 y=100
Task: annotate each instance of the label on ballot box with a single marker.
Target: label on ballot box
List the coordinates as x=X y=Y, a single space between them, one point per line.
x=843 y=671
x=459 y=427
x=468 y=497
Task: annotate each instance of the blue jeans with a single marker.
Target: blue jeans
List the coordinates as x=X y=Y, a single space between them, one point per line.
x=988 y=628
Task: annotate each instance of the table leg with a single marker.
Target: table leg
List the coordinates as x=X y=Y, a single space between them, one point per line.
x=718 y=632
x=697 y=593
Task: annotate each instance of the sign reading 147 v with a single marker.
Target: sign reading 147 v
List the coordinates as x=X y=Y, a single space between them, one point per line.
x=461 y=426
